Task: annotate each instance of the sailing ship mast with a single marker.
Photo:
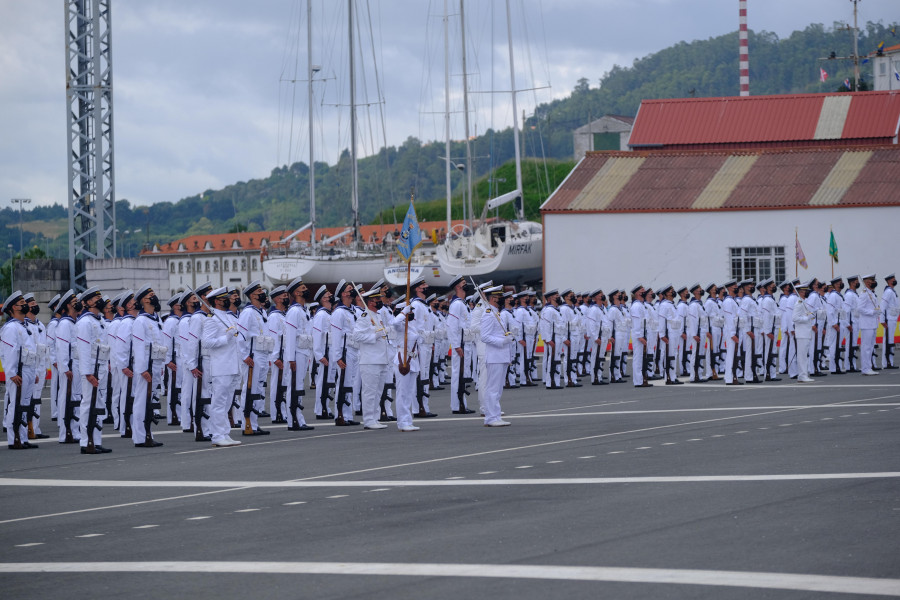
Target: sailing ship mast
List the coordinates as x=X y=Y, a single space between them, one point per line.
x=520 y=209
x=354 y=193
x=465 y=85
x=309 y=94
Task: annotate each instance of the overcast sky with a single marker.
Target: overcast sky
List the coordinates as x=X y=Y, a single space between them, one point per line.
x=200 y=100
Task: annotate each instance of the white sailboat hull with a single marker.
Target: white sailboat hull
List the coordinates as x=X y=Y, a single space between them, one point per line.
x=324 y=270
x=395 y=274
x=513 y=262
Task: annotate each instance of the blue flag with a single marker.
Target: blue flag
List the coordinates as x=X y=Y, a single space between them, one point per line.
x=410 y=235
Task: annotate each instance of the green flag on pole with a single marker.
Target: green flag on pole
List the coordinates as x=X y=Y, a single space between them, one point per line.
x=832 y=248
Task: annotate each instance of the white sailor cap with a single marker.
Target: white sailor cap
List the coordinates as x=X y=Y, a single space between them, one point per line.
x=400 y=299
x=184 y=296
x=552 y=292
x=417 y=282
x=11 y=300
x=52 y=303
x=340 y=287
x=28 y=297
x=729 y=283
x=319 y=293
x=89 y=293
x=312 y=305
x=709 y=287
x=786 y=282
x=805 y=285
x=889 y=277
x=565 y=292
x=596 y=292
x=203 y=288
x=176 y=299
x=869 y=276
x=65 y=297
x=278 y=289
x=252 y=287
x=455 y=281
x=664 y=289
x=293 y=285
x=635 y=289
x=852 y=278
x=217 y=293
x=378 y=284
x=231 y=289
x=375 y=292
x=507 y=295
x=485 y=285
x=139 y=295
x=430 y=298
x=765 y=283
x=836 y=279
x=496 y=290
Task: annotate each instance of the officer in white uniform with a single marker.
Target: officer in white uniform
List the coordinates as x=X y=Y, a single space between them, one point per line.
x=149 y=356
x=220 y=339
x=550 y=331
x=730 y=332
x=497 y=342
x=375 y=358
x=405 y=325
x=457 y=324
x=803 y=318
x=869 y=311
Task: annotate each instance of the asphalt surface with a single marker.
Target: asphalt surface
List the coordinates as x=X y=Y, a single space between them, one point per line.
x=779 y=491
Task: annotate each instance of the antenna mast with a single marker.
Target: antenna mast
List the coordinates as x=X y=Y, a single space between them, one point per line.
x=89 y=116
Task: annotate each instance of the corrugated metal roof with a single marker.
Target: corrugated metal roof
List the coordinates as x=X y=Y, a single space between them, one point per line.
x=755 y=119
x=740 y=180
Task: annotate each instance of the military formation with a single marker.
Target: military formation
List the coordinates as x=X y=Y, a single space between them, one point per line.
x=221 y=360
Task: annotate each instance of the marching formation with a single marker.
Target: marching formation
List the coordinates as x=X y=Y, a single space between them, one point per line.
x=346 y=352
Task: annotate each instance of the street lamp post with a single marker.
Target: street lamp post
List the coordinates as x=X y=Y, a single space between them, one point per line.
x=21 y=202
x=12 y=265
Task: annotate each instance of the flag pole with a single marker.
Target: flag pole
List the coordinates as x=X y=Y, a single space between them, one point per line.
x=831 y=229
x=796 y=258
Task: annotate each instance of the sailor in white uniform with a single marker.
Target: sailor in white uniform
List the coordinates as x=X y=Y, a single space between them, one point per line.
x=497 y=342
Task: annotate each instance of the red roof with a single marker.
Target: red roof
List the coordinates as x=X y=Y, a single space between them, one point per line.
x=253 y=240
x=751 y=121
x=664 y=181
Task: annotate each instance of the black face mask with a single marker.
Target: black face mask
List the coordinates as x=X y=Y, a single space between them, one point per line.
x=101 y=304
x=78 y=306
x=353 y=294
x=35 y=309
x=154 y=302
x=236 y=303
x=388 y=293
x=873 y=285
x=379 y=305
x=306 y=294
x=262 y=298
x=559 y=301
x=267 y=304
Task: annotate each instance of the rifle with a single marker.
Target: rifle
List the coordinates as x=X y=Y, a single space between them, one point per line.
x=249 y=397
x=460 y=378
x=174 y=392
x=343 y=389
x=529 y=362
x=17 y=415
x=684 y=350
x=645 y=366
x=889 y=328
x=323 y=393
x=149 y=405
x=385 y=398
x=851 y=349
x=69 y=414
x=93 y=411
x=817 y=352
x=129 y=397
x=200 y=400
x=771 y=356
x=753 y=356
x=554 y=361
x=279 y=384
x=697 y=345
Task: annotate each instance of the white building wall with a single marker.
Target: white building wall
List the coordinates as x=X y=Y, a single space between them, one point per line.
x=115 y=275
x=184 y=272
x=883 y=71
x=622 y=249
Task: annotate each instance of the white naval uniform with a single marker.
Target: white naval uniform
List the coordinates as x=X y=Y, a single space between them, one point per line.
x=17 y=346
x=93 y=356
x=729 y=331
x=222 y=370
x=256 y=344
x=549 y=328
x=891 y=307
x=375 y=358
x=67 y=361
x=405 y=400
x=54 y=372
x=457 y=323
x=496 y=360
x=638 y=330
x=803 y=318
x=325 y=375
x=869 y=309
x=851 y=306
x=298 y=348
x=146 y=334
x=769 y=314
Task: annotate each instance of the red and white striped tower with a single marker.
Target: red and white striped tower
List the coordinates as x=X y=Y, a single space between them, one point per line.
x=744 y=50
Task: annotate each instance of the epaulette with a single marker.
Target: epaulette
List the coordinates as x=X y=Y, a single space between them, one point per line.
x=365 y=314
x=487 y=310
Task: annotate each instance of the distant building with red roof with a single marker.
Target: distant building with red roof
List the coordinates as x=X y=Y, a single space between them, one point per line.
x=717 y=188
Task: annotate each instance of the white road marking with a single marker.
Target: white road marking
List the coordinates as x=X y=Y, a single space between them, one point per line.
x=492 y=472
x=524 y=467
x=457 y=477
x=739 y=579
x=587 y=457
x=538 y=412
x=644 y=448
x=29 y=545
x=379 y=490
x=786 y=425
x=338 y=496
x=90 y=535
x=145 y=526
x=294 y=503
x=742 y=432
x=718 y=435
x=616 y=452
x=293 y=484
x=696 y=440
x=197 y=518
x=670 y=443
x=246 y=510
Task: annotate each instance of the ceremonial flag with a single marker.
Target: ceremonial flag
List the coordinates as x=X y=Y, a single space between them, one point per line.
x=847 y=84
x=880 y=47
x=823 y=76
x=896 y=74
x=865 y=61
x=893 y=31
x=832 y=248
x=410 y=235
x=801 y=258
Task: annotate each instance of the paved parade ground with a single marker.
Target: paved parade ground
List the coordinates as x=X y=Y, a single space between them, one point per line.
x=769 y=491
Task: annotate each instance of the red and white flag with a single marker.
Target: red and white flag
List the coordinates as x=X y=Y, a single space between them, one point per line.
x=823 y=75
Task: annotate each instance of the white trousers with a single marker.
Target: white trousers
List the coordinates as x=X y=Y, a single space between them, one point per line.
x=456 y=367
x=730 y=350
x=406 y=397
x=223 y=387
x=9 y=412
x=493 y=389
x=372 y=379
x=866 y=348
x=803 y=351
x=637 y=364
x=84 y=410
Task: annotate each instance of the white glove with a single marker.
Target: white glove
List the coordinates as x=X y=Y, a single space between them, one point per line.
x=406 y=309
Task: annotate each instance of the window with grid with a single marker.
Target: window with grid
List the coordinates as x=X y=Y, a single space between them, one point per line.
x=757 y=263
